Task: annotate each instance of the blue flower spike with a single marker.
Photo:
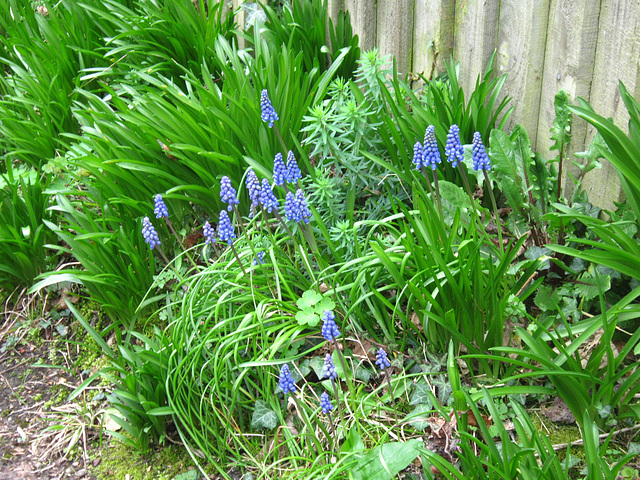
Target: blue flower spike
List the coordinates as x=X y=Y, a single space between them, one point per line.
x=228 y=193
x=259 y=260
x=208 y=233
x=268 y=113
x=382 y=360
x=430 y=152
x=325 y=403
x=417 y=155
x=454 y=150
x=253 y=188
x=160 y=209
x=286 y=380
x=329 y=369
x=330 y=330
x=267 y=199
x=149 y=233
x=480 y=158
x=279 y=170
x=293 y=171
x=225 y=229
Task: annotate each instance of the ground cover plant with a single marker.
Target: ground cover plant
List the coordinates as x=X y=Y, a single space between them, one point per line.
x=308 y=266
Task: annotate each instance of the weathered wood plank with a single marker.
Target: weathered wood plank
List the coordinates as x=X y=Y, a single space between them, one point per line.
x=476 y=35
x=432 y=36
x=520 y=53
x=395 y=31
x=364 y=21
x=568 y=65
x=617 y=54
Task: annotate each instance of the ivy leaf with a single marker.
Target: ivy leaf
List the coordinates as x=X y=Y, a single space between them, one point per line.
x=263 y=416
x=419 y=395
x=317 y=364
x=386 y=461
x=418 y=417
x=546 y=299
x=308 y=299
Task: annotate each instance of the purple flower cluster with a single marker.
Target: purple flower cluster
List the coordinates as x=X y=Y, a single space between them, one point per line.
x=228 y=193
x=259 y=258
x=160 y=209
x=253 y=188
x=293 y=171
x=417 y=155
x=149 y=233
x=480 y=158
x=382 y=360
x=286 y=380
x=430 y=152
x=325 y=403
x=225 y=229
x=209 y=233
x=329 y=369
x=453 y=150
x=296 y=208
x=329 y=328
x=268 y=113
x=279 y=170
x=267 y=199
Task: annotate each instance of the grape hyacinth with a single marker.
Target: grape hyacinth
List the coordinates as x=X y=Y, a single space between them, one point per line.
x=330 y=330
x=259 y=259
x=160 y=209
x=209 y=233
x=454 y=150
x=225 y=229
x=267 y=199
x=382 y=360
x=286 y=380
x=417 y=155
x=325 y=403
x=149 y=233
x=279 y=170
x=293 y=173
x=253 y=188
x=329 y=369
x=268 y=113
x=296 y=208
x=430 y=152
x=480 y=157
x=228 y=193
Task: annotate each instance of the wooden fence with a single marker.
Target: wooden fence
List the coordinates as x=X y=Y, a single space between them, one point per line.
x=581 y=46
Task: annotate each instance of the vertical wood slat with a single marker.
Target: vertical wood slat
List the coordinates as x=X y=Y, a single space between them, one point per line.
x=395 y=31
x=520 y=54
x=364 y=20
x=617 y=54
x=432 y=36
x=568 y=65
x=476 y=35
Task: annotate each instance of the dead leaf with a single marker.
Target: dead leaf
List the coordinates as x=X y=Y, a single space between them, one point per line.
x=559 y=412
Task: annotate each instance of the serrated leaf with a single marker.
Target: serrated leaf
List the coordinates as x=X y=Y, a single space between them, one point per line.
x=418 y=417
x=420 y=395
x=308 y=299
x=263 y=416
x=325 y=304
x=307 y=317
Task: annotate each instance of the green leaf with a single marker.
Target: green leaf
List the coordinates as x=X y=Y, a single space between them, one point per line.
x=308 y=299
x=193 y=474
x=263 y=416
x=420 y=395
x=418 y=417
x=547 y=299
x=317 y=364
x=325 y=304
x=307 y=317
x=386 y=461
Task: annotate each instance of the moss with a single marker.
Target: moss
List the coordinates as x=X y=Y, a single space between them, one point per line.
x=118 y=460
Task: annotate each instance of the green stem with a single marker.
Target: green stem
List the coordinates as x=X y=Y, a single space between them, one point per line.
x=175 y=234
x=495 y=208
x=235 y=253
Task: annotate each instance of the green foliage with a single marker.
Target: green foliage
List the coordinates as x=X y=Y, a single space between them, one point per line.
x=23 y=236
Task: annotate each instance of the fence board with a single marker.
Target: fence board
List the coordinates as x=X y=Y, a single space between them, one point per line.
x=520 y=54
x=395 y=31
x=617 y=54
x=432 y=36
x=364 y=20
x=476 y=35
